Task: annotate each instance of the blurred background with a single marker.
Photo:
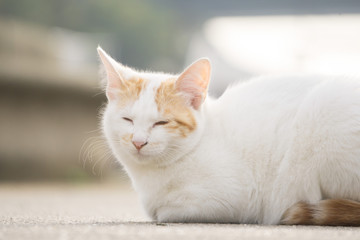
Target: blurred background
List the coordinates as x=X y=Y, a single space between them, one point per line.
x=50 y=96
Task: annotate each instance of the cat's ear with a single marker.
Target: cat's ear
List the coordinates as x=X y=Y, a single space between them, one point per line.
x=114 y=77
x=194 y=82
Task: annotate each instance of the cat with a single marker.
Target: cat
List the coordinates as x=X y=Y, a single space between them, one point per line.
x=273 y=150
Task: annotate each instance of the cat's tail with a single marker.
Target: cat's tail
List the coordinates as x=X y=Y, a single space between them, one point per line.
x=330 y=212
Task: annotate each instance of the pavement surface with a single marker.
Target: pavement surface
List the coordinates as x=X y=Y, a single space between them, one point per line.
x=111 y=211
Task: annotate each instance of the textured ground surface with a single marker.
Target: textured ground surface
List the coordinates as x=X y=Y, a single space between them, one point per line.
x=112 y=212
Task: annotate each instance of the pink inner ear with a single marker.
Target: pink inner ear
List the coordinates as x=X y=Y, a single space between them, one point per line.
x=114 y=79
x=113 y=85
x=194 y=82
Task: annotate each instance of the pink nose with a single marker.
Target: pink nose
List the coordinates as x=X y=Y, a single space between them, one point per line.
x=139 y=145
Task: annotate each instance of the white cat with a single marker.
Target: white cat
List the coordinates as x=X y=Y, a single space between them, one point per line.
x=268 y=151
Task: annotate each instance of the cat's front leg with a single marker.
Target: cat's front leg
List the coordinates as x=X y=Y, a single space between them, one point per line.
x=195 y=212
x=178 y=215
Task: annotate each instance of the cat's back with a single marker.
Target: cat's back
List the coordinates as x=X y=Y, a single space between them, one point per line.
x=268 y=91
x=261 y=116
x=281 y=95
x=263 y=102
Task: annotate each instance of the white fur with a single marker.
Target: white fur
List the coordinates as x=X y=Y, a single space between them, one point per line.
x=258 y=149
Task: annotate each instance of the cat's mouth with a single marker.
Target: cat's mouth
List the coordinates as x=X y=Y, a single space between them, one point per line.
x=142 y=157
x=147 y=151
x=140 y=152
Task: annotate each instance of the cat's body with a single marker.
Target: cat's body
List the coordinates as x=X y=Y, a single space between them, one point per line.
x=246 y=157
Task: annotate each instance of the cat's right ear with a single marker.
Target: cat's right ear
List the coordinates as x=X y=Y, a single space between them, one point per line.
x=194 y=82
x=114 y=78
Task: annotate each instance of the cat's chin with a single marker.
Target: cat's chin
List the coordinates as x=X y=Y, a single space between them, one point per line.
x=144 y=157
x=145 y=153
x=157 y=159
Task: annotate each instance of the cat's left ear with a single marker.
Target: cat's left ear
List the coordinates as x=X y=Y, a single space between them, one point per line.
x=194 y=82
x=115 y=80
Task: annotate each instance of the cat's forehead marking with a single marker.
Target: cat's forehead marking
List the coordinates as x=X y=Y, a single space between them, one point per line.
x=131 y=90
x=144 y=108
x=171 y=104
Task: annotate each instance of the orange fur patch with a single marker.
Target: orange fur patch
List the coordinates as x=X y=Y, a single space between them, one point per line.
x=127 y=137
x=130 y=90
x=330 y=212
x=173 y=106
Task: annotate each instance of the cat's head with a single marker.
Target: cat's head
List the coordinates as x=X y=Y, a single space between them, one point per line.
x=153 y=118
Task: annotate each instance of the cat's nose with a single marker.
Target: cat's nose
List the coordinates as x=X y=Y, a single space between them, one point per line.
x=139 y=145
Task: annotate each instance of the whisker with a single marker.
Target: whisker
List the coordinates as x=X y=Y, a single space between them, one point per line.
x=95 y=150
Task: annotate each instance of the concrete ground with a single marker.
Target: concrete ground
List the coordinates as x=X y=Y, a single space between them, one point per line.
x=111 y=211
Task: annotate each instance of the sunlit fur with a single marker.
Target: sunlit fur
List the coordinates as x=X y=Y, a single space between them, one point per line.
x=246 y=157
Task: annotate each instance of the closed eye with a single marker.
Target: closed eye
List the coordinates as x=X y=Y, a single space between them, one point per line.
x=128 y=119
x=160 y=123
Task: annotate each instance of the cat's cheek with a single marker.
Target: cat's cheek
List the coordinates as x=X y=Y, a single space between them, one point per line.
x=121 y=135
x=125 y=139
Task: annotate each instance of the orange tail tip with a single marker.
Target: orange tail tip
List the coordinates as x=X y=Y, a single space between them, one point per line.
x=330 y=212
